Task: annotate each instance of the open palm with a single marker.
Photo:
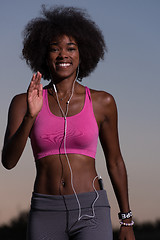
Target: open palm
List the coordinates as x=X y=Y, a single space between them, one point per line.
x=34 y=95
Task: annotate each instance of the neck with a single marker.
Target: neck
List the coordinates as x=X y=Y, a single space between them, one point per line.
x=68 y=101
x=64 y=86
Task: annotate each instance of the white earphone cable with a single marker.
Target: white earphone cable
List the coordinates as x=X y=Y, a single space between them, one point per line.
x=65 y=150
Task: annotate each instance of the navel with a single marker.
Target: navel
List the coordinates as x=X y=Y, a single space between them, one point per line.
x=63 y=183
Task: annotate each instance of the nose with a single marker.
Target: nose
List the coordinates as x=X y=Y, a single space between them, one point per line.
x=62 y=54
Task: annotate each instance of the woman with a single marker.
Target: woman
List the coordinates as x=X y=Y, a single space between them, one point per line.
x=63 y=121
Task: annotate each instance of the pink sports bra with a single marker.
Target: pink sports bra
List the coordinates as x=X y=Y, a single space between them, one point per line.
x=47 y=133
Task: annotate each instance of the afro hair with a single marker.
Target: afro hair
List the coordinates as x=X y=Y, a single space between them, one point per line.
x=59 y=21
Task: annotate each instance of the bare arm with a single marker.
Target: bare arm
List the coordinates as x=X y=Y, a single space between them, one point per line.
x=115 y=164
x=22 y=113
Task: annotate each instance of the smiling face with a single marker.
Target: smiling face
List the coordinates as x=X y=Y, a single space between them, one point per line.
x=63 y=58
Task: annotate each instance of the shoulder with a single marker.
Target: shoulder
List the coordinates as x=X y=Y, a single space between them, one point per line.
x=19 y=99
x=20 y=96
x=19 y=103
x=103 y=98
x=104 y=104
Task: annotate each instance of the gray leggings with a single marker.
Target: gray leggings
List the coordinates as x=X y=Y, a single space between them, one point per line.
x=55 y=217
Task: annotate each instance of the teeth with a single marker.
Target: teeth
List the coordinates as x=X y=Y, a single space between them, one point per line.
x=64 y=64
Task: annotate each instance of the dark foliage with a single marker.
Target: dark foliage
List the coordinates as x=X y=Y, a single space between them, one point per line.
x=17 y=228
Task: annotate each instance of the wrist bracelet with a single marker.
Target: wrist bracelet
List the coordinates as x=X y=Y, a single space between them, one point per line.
x=123 y=216
x=126 y=224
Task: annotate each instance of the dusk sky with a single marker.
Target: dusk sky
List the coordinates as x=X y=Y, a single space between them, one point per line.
x=130 y=72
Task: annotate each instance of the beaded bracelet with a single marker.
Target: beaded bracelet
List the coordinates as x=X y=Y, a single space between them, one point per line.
x=127 y=224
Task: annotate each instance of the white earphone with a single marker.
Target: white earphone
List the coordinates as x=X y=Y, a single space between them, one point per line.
x=65 y=150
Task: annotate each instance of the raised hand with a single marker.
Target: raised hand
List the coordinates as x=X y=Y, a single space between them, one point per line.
x=34 y=95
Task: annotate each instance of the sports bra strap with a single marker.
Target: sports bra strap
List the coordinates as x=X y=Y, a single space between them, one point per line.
x=89 y=93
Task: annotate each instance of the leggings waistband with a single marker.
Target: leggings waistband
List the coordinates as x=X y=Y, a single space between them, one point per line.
x=62 y=202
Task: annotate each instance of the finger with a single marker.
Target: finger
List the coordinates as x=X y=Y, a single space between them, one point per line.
x=38 y=77
x=35 y=81
x=31 y=83
x=33 y=77
x=40 y=92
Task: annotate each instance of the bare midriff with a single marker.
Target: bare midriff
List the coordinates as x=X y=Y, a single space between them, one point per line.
x=54 y=176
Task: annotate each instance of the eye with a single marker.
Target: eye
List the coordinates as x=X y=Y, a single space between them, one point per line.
x=71 y=49
x=54 y=49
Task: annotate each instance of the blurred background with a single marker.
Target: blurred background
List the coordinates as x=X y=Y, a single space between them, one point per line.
x=130 y=72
